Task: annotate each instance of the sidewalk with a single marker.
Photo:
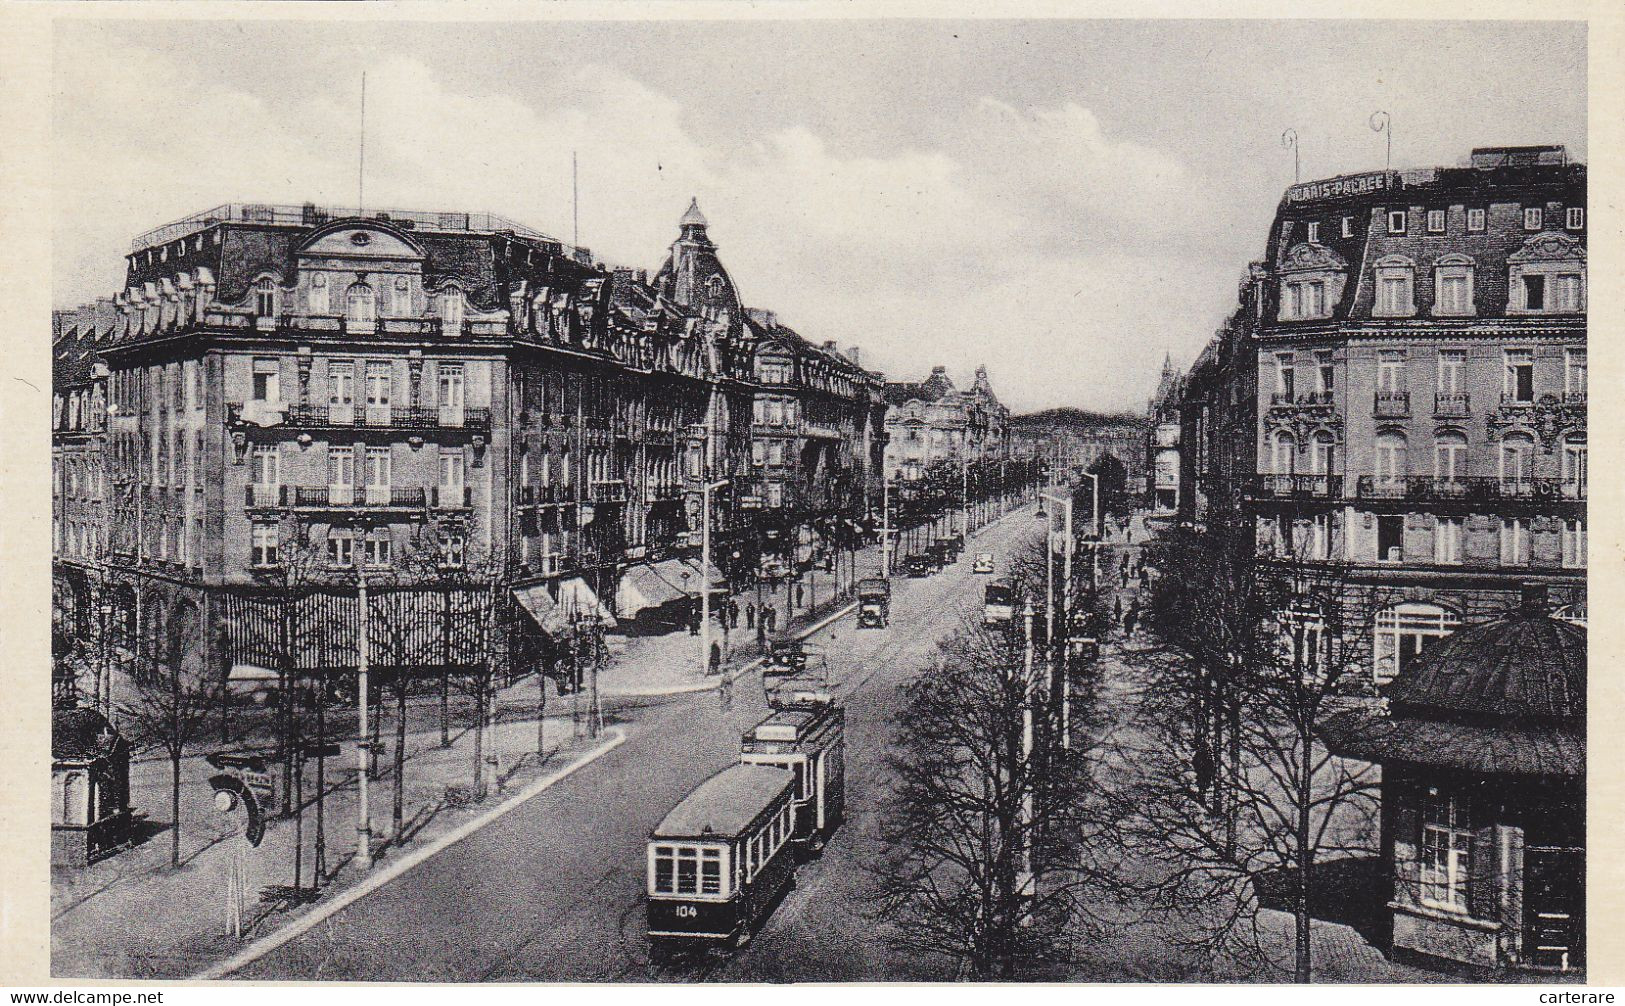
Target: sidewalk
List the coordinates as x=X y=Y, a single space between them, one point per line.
x=131 y=915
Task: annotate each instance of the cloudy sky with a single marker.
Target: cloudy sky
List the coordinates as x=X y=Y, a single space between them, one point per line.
x=1065 y=201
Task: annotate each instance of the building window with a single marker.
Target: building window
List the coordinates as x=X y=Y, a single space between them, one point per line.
x=379 y=548
x=1532 y=218
x=265 y=298
x=341 y=466
x=451 y=468
x=359 y=304
x=1475 y=220
x=1450 y=457
x=451 y=311
x=1447 y=540
x=1313 y=236
x=1514 y=541
x=1320 y=536
x=1446 y=850
x=1574 y=543
x=1574 y=466
x=379 y=379
x=1286 y=453
x=453 y=550
x=1534 y=292
x=1391 y=465
x=1568 y=293
x=1403 y=630
x=1517 y=459
x=1391 y=371
x=1323 y=456
x=1306 y=299
x=1395 y=287
x=1518 y=381
x=1575 y=218
x=378 y=475
x=1390 y=538
x=1348 y=227
x=316 y=297
x=267 y=380
x=263 y=550
x=1325 y=373
x=267 y=465
x=341 y=549
x=1284 y=376
x=1396 y=221
x=341 y=383
x=450 y=385
x=1453 y=286
x=1451 y=363
x=1435 y=221
x=1574 y=375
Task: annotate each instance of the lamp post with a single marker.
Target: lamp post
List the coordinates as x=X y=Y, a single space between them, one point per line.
x=1094 y=551
x=885 y=530
x=1024 y=880
x=705 y=574
x=1066 y=609
x=363 y=747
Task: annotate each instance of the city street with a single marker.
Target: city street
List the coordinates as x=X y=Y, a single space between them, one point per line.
x=522 y=898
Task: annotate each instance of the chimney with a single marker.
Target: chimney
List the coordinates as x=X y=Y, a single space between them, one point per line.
x=1533 y=602
x=938 y=370
x=829 y=346
x=853 y=355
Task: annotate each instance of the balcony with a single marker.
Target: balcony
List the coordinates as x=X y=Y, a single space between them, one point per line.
x=1295 y=486
x=451 y=497
x=323 y=497
x=386 y=417
x=545 y=495
x=819 y=431
x=1392 y=404
x=1451 y=403
x=1575 y=398
x=1477 y=488
x=608 y=491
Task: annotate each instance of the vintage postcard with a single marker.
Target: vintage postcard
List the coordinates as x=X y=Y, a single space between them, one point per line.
x=790 y=496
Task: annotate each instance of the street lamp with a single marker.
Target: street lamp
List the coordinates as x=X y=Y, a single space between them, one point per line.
x=1024 y=880
x=1066 y=608
x=705 y=573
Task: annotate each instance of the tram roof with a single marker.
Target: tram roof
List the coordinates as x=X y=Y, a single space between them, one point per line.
x=725 y=804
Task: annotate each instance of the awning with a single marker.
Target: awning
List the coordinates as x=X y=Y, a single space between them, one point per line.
x=684 y=576
x=642 y=587
x=541 y=607
x=576 y=598
x=717 y=580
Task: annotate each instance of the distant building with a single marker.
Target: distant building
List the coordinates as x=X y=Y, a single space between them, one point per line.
x=1163 y=444
x=933 y=421
x=1074 y=441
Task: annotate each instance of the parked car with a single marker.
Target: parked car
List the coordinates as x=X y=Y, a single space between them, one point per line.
x=984 y=563
x=918 y=566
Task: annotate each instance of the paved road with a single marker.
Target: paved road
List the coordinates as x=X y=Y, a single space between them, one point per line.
x=554 y=890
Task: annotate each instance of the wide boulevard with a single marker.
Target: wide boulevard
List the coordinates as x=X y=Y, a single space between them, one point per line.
x=554 y=890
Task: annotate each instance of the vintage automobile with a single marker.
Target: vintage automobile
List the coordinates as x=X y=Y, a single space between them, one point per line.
x=874 y=603
x=918 y=566
x=983 y=563
x=997 y=608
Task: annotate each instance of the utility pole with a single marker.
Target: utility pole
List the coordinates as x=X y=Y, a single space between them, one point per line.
x=885 y=531
x=964 y=493
x=705 y=574
x=363 y=747
x=1066 y=613
x=1024 y=881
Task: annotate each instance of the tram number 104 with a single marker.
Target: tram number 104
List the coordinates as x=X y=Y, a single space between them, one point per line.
x=687 y=912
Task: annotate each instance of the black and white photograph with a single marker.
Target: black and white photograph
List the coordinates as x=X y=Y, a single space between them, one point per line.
x=814 y=498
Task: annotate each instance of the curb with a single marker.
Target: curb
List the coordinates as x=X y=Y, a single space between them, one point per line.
x=271 y=941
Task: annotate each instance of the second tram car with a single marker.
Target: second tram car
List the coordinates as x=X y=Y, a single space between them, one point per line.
x=808 y=739
x=718 y=862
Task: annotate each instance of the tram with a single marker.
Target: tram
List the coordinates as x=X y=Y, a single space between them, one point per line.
x=809 y=740
x=719 y=861
x=997 y=608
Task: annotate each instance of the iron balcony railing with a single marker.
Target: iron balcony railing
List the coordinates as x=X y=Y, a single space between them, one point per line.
x=1294 y=486
x=609 y=491
x=1438 y=488
x=451 y=497
x=1451 y=403
x=543 y=495
x=388 y=417
x=1392 y=404
x=334 y=496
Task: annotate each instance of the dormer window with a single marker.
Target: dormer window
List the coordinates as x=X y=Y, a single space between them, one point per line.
x=1312 y=277
x=359 y=306
x=1532 y=218
x=1575 y=218
x=1314 y=232
x=1395 y=288
x=1435 y=221
x=265 y=298
x=1547 y=276
x=451 y=310
x=1475 y=220
x=1396 y=221
x=1348 y=227
x=1453 y=286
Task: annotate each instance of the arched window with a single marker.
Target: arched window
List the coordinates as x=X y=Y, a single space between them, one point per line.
x=1453 y=286
x=359 y=305
x=1404 y=630
x=1450 y=457
x=1395 y=287
x=1323 y=460
x=451 y=310
x=265 y=298
x=1286 y=453
x=1391 y=464
x=1517 y=459
x=1574 y=465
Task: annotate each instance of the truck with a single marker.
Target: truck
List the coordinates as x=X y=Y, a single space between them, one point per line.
x=874 y=603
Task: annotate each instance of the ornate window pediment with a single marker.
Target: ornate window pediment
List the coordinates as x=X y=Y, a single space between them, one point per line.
x=1453 y=295
x=1312 y=258
x=1395 y=277
x=1547 y=275
x=1312 y=278
x=1549 y=246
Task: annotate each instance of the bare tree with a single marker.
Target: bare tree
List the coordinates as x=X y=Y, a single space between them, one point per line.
x=993 y=833
x=169 y=709
x=1236 y=784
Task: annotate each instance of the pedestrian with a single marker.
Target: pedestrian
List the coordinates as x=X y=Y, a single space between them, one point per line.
x=750 y=615
x=725 y=693
x=800 y=593
x=770 y=614
x=761 y=633
x=1131 y=619
x=1117 y=610
x=1128 y=535
x=694 y=622
x=716 y=657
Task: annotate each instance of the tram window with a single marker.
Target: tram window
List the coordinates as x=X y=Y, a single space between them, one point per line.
x=801 y=780
x=687 y=871
x=663 y=869
x=755 y=853
x=711 y=872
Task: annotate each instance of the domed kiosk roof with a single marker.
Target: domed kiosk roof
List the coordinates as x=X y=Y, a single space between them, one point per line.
x=1505 y=697
x=81 y=734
